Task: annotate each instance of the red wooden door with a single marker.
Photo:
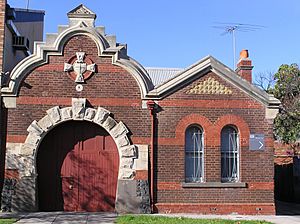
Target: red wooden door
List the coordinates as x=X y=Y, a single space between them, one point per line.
x=84 y=165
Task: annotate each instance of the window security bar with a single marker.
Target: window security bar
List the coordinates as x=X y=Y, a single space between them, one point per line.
x=194 y=155
x=230 y=157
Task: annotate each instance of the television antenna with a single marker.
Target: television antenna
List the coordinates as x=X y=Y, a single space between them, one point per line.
x=232 y=28
x=27 y=6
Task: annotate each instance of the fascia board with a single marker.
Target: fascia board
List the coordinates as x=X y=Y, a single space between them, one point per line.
x=212 y=64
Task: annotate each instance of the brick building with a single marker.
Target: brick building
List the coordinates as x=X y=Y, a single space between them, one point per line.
x=90 y=129
x=19 y=29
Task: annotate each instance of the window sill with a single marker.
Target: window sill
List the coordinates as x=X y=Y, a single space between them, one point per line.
x=214 y=185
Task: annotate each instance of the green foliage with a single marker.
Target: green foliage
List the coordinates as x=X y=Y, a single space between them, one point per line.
x=287 y=90
x=142 y=219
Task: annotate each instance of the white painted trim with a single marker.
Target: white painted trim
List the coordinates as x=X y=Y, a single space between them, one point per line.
x=54 y=46
x=203 y=66
x=108 y=48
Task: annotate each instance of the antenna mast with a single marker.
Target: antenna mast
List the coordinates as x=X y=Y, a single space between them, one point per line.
x=234 y=47
x=231 y=28
x=27 y=6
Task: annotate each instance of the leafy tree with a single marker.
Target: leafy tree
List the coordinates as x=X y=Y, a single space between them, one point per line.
x=287 y=90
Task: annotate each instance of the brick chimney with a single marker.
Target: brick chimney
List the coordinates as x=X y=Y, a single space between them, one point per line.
x=244 y=66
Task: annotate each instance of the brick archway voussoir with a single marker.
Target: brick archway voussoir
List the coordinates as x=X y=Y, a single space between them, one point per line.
x=197 y=119
x=236 y=121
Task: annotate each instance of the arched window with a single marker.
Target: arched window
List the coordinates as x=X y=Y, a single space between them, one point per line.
x=194 y=154
x=229 y=154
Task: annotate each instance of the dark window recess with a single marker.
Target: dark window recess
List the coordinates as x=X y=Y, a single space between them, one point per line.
x=194 y=155
x=229 y=154
x=20 y=43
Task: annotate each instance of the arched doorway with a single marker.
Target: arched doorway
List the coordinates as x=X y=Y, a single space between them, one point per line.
x=77 y=167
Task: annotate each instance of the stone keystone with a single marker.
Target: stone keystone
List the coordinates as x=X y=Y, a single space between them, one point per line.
x=78 y=108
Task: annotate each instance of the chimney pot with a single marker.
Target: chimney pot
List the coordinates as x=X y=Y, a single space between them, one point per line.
x=244 y=54
x=244 y=66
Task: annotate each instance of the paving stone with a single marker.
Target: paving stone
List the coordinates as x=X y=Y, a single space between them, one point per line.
x=35 y=221
x=63 y=217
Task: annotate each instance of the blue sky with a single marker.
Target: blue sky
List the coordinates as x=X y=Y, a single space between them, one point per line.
x=166 y=33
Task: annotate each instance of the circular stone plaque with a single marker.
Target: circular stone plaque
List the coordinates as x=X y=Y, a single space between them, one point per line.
x=79 y=88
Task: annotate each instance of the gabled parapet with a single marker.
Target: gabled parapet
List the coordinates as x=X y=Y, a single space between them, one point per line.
x=82 y=14
x=81 y=22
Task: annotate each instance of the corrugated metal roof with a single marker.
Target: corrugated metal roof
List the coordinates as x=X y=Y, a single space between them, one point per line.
x=160 y=75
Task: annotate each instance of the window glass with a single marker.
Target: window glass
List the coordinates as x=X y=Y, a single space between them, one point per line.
x=194 y=154
x=229 y=154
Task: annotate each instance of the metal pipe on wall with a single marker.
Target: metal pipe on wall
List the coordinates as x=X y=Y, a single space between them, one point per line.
x=151 y=108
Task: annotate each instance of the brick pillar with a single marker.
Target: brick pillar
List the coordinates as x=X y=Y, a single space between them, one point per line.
x=2 y=110
x=244 y=66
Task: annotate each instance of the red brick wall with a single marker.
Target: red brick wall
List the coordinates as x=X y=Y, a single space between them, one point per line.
x=217 y=208
x=115 y=89
x=284 y=153
x=110 y=87
x=213 y=112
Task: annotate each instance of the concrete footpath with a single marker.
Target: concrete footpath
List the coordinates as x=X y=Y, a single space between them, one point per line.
x=62 y=217
x=109 y=218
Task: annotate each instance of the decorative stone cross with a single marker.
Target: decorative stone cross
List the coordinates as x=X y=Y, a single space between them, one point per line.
x=79 y=67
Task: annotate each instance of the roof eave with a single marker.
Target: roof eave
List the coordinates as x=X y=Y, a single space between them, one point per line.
x=171 y=85
x=222 y=70
x=200 y=68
